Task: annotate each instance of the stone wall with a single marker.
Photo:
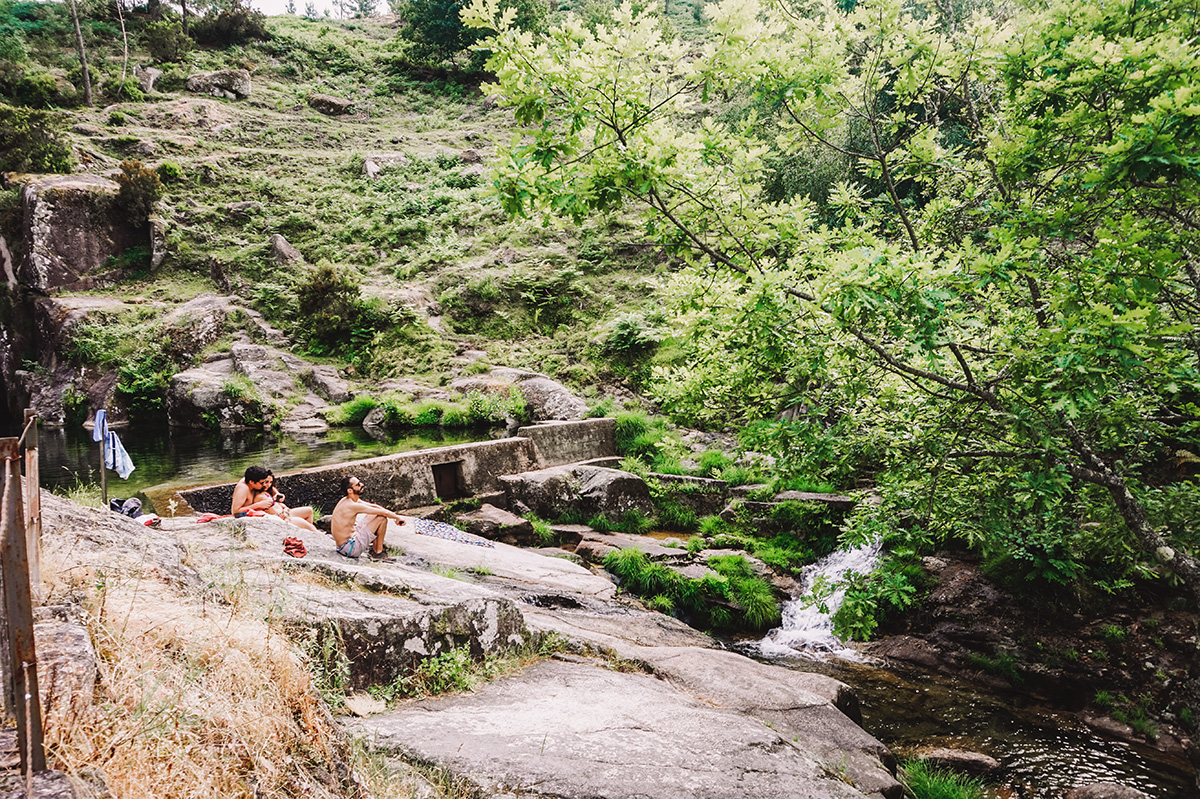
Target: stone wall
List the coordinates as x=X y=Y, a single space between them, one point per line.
x=560 y=443
x=407 y=479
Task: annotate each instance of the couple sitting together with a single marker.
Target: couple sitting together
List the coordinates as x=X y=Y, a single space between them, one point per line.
x=357 y=526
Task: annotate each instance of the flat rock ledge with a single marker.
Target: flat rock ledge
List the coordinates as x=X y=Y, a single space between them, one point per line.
x=680 y=717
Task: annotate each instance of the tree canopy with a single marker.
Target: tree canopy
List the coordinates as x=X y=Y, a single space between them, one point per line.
x=991 y=308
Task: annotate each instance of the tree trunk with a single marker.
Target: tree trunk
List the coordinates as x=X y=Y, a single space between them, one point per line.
x=125 y=41
x=1151 y=540
x=183 y=6
x=87 y=77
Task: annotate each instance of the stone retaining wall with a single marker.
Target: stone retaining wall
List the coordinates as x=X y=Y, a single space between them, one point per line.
x=413 y=479
x=560 y=443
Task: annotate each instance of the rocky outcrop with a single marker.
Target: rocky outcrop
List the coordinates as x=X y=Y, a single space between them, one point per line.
x=587 y=490
x=251 y=386
x=329 y=105
x=72 y=228
x=547 y=399
x=283 y=252
x=232 y=84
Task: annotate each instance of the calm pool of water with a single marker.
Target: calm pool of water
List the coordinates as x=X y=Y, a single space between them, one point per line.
x=171 y=457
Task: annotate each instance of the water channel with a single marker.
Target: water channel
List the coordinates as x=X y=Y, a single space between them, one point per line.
x=1043 y=751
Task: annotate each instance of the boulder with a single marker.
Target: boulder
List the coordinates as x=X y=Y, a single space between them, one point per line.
x=325 y=381
x=588 y=490
x=232 y=84
x=67 y=670
x=547 y=399
x=959 y=760
x=498 y=525
x=283 y=252
x=373 y=165
x=72 y=227
x=244 y=209
x=329 y=105
x=146 y=77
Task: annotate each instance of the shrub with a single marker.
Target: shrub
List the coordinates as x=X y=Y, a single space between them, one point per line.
x=166 y=41
x=169 y=172
x=129 y=90
x=36 y=90
x=238 y=25
x=732 y=597
x=29 y=141
x=140 y=190
x=436 y=32
x=336 y=319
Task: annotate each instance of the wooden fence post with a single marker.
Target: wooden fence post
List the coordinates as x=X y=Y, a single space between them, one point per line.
x=21 y=678
x=33 y=498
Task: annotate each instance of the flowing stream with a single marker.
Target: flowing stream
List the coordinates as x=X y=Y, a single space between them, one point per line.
x=1043 y=751
x=807 y=627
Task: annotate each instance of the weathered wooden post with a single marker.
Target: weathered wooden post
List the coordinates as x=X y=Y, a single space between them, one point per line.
x=20 y=681
x=33 y=497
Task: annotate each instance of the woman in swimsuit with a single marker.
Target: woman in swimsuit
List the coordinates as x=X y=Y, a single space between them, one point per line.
x=301 y=517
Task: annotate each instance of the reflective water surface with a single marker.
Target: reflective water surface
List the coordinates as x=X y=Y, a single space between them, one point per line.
x=166 y=457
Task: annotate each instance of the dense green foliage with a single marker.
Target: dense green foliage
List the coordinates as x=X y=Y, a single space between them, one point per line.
x=991 y=310
x=30 y=141
x=731 y=596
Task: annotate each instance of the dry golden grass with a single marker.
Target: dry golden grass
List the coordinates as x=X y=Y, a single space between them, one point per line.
x=194 y=700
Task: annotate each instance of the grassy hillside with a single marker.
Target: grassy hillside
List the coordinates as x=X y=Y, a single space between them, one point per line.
x=422 y=259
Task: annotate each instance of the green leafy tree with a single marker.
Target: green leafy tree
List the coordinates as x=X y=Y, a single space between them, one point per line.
x=437 y=33
x=1008 y=293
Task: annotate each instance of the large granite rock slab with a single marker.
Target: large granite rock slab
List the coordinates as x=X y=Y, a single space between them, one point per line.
x=579 y=730
x=681 y=718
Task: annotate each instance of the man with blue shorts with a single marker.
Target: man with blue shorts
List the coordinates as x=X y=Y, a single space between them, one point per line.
x=359 y=526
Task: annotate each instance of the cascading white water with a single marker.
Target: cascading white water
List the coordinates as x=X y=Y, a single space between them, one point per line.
x=805 y=629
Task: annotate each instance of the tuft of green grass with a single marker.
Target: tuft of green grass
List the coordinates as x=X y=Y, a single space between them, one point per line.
x=928 y=782
x=543 y=532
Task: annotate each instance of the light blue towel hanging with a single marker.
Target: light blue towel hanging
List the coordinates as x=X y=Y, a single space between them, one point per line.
x=101 y=428
x=117 y=458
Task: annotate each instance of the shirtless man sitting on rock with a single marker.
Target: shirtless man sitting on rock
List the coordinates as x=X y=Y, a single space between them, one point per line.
x=359 y=526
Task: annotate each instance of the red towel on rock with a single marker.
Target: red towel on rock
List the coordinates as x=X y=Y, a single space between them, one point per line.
x=294 y=547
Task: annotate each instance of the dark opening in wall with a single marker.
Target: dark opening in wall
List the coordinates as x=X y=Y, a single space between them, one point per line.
x=448 y=480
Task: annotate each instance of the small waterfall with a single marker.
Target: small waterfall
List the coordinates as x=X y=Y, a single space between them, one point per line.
x=805 y=629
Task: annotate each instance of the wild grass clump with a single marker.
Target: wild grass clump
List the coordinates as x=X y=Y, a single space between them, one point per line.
x=352 y=412
x=455 y=670
x=928 y=782
x=196 y=700
x=731 y=598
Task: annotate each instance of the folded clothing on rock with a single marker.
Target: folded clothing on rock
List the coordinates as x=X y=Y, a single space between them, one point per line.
x=294 y=547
